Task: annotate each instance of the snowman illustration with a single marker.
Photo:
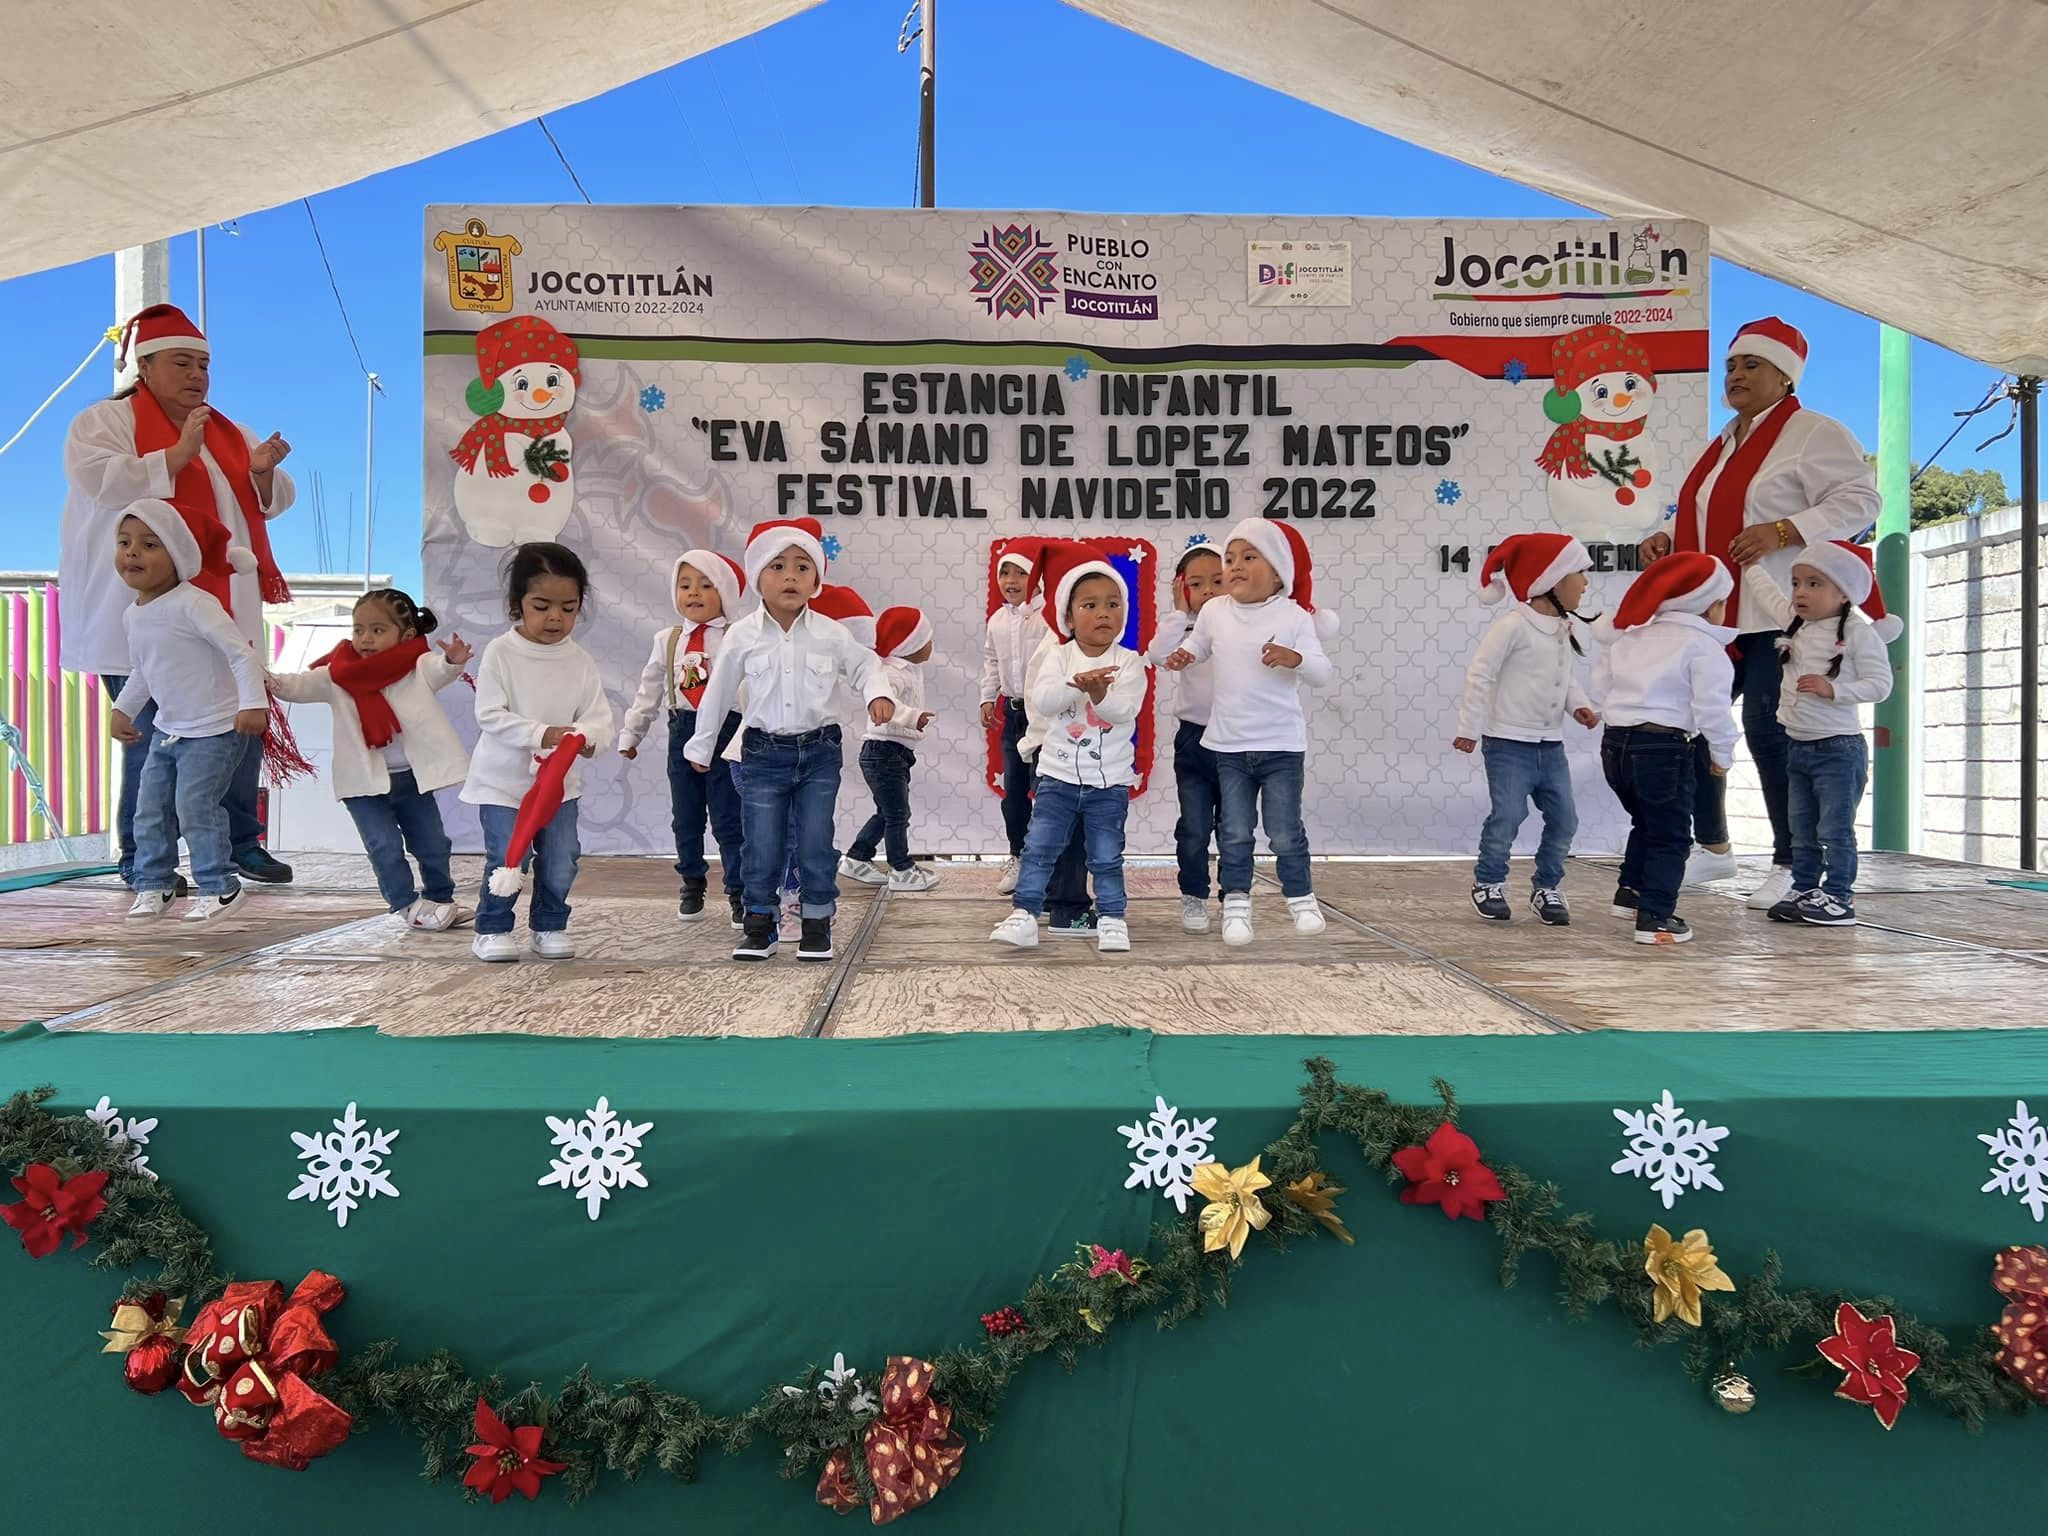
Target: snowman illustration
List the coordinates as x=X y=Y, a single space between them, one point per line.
x=513 y=477
x=1604 y=479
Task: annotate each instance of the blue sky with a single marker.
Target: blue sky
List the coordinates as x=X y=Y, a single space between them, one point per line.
x=1039 y=107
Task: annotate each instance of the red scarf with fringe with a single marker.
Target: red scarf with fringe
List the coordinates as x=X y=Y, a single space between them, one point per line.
x=193 y=492
x=1727 y=506
x=364 y=679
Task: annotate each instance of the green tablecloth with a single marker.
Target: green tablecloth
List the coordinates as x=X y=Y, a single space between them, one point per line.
x=809 y=1197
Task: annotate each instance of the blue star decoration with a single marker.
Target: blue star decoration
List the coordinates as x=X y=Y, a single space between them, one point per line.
x=1670 y=510
x=1077 y=368
x=1448 y=493
x=832 y=546
x=653 y=399
x=1516 y=371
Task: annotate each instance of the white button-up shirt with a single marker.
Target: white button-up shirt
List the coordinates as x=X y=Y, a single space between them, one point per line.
x=1672 y=671
x=789 y=675
x=1007 y=645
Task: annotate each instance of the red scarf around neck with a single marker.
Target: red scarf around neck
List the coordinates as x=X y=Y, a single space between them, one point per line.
x=486 y=436
x=364 y=679
x=1727 y=513
x=193 y=492
x=1564 y=452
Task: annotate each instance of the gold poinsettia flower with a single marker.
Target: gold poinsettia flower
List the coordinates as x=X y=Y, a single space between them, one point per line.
x=1314 y=1193
x=1682 y=1268
x=1233 y=1212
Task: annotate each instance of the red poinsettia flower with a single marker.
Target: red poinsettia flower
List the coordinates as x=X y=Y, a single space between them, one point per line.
x=52 y=1205
x=1868 y=1351
x=1108 y=1262
x=1446 y=1172
x=507 y=1460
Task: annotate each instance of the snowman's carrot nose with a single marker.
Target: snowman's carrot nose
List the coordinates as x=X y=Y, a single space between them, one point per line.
x=1620 y=401
x=543 y=396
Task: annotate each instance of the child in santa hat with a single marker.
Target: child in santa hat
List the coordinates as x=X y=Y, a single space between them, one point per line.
x=1267 y=642
x=1089 y=690
x=1009 y=640
x=1664 y=679
x=207 y=683
x=1519 y=688
x=903 y=639
x=1197 y=578
x=792 y=660
x=1834 y=661
x=707 y=599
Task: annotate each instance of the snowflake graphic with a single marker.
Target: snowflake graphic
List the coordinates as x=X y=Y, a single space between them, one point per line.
x=598 y=1157
x=653 y=399
x=1199 y=541
x=1669 y=1148
x=344 y=1164
x=132 y=1133
x=1169 y=1150
x=1516 y=371
x=842 y=1378
x=1015 y=271
x=1077 y=368
x=1670 y=510
x=2020 y=1159
x=832 y=547
x=1449 y=493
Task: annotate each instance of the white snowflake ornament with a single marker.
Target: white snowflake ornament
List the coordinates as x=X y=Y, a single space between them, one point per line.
x=345 y=1166
x=1169 y=1150
x=131 y=1133
x=2019 y=1154
x=1669 y=1148
x=598 y=1155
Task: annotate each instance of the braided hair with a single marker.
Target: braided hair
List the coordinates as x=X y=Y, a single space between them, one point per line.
x=1841 y=639
x=405 y=613
x=1567 y=614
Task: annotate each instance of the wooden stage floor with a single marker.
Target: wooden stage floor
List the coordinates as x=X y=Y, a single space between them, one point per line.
x=1941 y=947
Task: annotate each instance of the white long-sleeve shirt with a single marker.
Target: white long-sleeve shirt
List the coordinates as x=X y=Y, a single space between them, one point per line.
x=790 y=675
x=1671 y=671
x=905 y=682
x=426 y=742
x=658 y=684
x=105 y=475
x=1007 y=643
x=1193 y=688
x=1522 y=683
x=185 y=652
x=1814 y=478
x=523 y=688
x=1085 y=743
x=1866 y=666
x=1257 y=708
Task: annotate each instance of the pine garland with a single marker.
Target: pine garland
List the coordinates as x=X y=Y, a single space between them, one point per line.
x=622 y=1427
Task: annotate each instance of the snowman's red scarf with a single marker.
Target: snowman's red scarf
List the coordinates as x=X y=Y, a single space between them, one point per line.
x=192 y=493
x=486 y=435
x=1564 y=455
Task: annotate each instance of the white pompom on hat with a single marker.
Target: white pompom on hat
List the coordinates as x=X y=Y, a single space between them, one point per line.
x=1530 y=564
x=722 y=571
x=1287 y=552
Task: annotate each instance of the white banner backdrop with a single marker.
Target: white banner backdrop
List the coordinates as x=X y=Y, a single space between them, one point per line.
x=929 y=383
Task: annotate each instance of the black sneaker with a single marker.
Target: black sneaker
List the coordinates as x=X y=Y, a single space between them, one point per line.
x=1662 y=930
x=258 y=865
x=1821 y=910
x=1080 y=926
x=1549 y=906
x=690 y=905
x=1491 y=901
x=1626 y=900
x=739 y=910
x=816 y=944
x=1787 y=911
x=758 y=940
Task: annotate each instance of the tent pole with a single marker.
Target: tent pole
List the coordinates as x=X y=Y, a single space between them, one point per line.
x=142 y=277
x=369 y=474
x=2028 y=391
x=199 y=270
x=927 y=111
x=1891 y=798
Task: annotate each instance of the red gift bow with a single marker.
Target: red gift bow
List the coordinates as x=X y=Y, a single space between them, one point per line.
x=911 y=1450
x=2022 y=1332
x=247 y=1356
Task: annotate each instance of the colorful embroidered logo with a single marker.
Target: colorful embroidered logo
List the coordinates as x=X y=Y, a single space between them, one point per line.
x=1015 y=271
x=479 y=267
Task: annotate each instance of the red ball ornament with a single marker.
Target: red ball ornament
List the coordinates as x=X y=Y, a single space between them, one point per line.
x=1625 y=496
x=537 y=493
x=1641 y=478
x=152 y=1365
x=560 y=472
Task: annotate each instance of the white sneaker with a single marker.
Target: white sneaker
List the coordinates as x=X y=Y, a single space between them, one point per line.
x=1237 y=919
x=1703 y=864
x=554 y=946
x=915 y=878
x=863 y=870
x=1112 y=936
x=1019 y=930
x=494 y=947
x=1308 y=915
x=1194 y=915
x=1006 y=882
x=789 y=917
x=202 y=908
x=1773 y=890
x=437 y=916
x=149 y=905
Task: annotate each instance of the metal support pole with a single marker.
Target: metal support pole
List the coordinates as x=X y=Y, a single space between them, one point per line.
x=369 y=474
x=927 y=111
x=2028 y=391
x=199 y=271
x=142 y=277
x=1891 y=797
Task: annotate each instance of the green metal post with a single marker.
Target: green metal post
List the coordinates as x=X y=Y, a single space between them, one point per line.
x=1891 y=800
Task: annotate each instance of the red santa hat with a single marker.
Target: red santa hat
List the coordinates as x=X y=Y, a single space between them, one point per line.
x=771 y=538
x=722 y=571
x=1850 y=567
x=1287 y=552
x=198 y=545
x=537 y=808
x=1687 y=583
x=901 y=631
x=159 y=328
x=848 y=607
x=523 y=339
x=1530 y=564
x=1066 y=565
x=1775 y=341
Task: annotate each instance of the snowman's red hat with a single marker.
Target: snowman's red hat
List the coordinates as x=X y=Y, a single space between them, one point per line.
x=523 y=339
x=1530 y=564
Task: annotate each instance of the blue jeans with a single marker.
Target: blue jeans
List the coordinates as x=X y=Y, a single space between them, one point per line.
x=695 y=798
x=245 y=832
x=1651 y=774
x=1066 y=895
x=792 y=878
x=551 y=866
x=1017 y=776
x=1194 y=775
x=1759 y=675
x=1516 y=773
x=183 y=782
x=1254 y=787
x=1827 y=778
x=886 y=767
x=791 y=775
x=391 y=824
x=1100 y=814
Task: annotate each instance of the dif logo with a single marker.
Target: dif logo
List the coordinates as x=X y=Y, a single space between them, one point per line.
x=1276 y=276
